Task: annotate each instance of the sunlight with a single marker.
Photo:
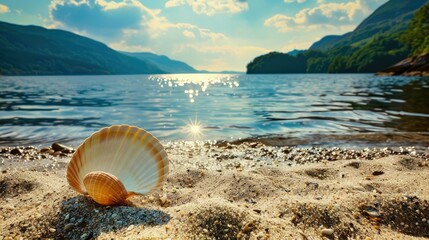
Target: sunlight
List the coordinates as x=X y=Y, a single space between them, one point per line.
x=196 y=84
x=194 y=129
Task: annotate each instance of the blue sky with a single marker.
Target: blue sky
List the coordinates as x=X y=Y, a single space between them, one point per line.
x=210 y=35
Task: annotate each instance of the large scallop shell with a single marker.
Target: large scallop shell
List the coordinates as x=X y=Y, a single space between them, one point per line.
x=116 y=163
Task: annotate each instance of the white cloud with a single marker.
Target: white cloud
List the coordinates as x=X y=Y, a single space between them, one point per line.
x=326 y=15
x=211 y=7
x=294 y=1
x=4 y=9
x=174 y=3
x=188 y=34
x=148 y=30
x=282 y=22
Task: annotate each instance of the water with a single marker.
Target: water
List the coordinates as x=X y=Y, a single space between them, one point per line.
x=45 y=109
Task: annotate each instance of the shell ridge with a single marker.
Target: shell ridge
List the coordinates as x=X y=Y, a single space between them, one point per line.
x=159 y=180
x=72 y=173
x=138 y=157
x=154 y=166
x=122 y=171
x=117 y=158
x=151 y=171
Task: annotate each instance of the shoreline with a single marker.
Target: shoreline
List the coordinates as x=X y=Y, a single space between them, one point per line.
x=349 y=140
x=246 y=190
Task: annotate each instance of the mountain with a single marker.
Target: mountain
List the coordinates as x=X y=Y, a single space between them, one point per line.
x=33 y=50
x=373 y=46
x=326 y=42
x=392 y=17
x=163 y=62
x=417 y=36
x=295 y=52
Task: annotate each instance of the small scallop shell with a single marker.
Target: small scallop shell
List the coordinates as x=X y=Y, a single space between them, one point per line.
x=116 y=163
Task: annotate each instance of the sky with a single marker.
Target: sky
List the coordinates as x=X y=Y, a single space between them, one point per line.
x=212 y=35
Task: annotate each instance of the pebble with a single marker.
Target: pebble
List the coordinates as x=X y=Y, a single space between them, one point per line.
x=327 y=232
x=56 y=154
x=16 y=151
x=163 y=200
x=377 y=173
x=131 y=227
x=373 y=213
x=257 y=210
x=45 y=150
x=68 y=226
x=52 y=230
x=57 y=147
x=248 y=227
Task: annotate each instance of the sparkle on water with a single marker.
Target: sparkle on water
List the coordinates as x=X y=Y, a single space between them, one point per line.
x=67 y=109
x=197 y=83
x=194 y=129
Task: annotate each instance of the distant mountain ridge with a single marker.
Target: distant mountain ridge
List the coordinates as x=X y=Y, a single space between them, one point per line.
x=390 y=18
x=163 y=62
x=34 y=50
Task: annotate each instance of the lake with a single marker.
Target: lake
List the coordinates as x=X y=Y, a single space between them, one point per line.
x=39 y=110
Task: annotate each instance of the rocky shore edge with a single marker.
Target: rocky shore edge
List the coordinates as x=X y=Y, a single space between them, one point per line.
x=412 y=66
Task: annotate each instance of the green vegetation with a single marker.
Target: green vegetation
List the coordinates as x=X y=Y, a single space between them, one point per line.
x=381 y=52
x=376 y=44
x=31 y=50
x=392 y=17
x=417 y=35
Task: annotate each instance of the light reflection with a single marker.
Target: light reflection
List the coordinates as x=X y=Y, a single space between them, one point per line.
x=194 y=129
x=196 y=84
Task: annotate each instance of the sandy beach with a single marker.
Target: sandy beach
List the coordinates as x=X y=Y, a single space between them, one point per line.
x=245 y=190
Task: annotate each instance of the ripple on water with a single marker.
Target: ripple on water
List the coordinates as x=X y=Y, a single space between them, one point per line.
x=37 y=110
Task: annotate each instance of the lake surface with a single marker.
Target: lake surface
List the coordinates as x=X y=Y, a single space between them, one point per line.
x=45 y=109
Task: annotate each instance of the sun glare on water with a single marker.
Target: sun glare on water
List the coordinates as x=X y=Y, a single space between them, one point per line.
x=194 y=129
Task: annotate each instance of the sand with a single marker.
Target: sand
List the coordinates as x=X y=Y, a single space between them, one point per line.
x=229 y=191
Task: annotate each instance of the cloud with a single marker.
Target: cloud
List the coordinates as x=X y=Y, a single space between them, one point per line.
x=294 y=1
x=147 y=30
x=326 y=15
x=99 y=17
x=211 y=7
x=188 y=34
x=4 y=9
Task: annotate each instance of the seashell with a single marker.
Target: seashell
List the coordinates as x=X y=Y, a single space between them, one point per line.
x=116 y=163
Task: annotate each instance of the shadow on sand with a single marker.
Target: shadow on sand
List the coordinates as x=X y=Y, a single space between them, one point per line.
x=81 y=218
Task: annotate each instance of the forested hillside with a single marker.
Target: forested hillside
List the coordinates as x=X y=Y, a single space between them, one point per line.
x=32 y=50
x=377 y=43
